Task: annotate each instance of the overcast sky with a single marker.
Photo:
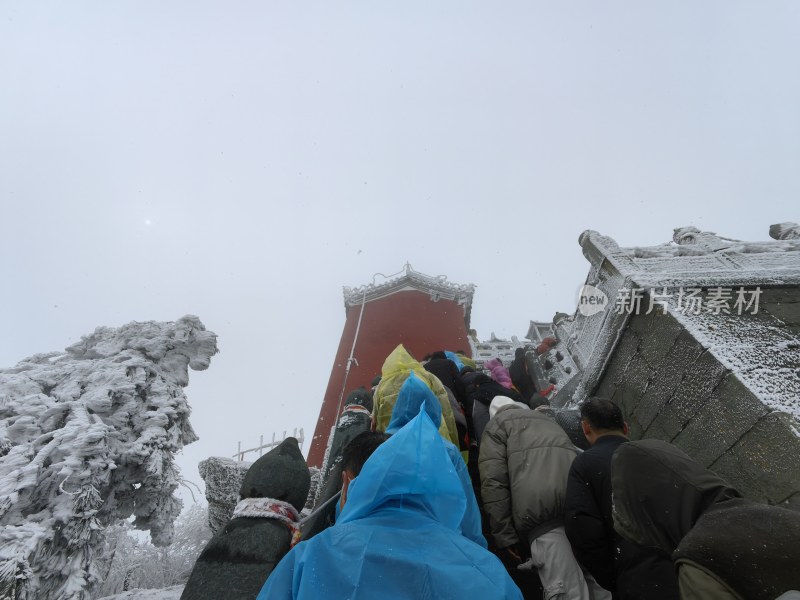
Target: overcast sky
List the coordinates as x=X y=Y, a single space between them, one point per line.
x=242 y=161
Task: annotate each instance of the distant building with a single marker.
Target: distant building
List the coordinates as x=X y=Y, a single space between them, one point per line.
x=423 y=313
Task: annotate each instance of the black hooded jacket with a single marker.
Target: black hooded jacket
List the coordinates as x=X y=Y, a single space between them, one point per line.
x=619 y=565
x=519 y=375
x=722 y=545
x=480 y=391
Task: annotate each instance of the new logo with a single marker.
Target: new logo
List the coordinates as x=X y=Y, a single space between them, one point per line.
x=591 y=300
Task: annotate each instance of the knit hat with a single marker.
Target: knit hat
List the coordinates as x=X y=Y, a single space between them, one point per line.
x=499 y=402
x=360 y=396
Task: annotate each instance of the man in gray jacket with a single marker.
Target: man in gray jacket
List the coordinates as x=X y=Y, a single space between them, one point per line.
x=524 y=462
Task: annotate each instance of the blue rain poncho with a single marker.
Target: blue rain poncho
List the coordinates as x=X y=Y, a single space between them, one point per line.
x=455 y=358
x=414 y=395
x=397 y=536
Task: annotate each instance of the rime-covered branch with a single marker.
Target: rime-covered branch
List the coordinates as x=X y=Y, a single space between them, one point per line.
x=87 y=438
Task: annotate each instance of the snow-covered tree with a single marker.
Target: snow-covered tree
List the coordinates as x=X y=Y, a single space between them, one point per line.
x=135 y=564
x=87 y=439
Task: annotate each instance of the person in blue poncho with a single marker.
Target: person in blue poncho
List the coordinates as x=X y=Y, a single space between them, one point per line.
x=413 y=395
x=398 y=534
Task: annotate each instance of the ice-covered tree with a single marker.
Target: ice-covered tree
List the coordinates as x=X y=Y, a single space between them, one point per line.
x=136 y=564
x=88 y=438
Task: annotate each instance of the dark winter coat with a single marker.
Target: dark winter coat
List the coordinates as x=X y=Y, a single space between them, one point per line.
x=237 y=561
x=751 y=548
x=524 y=462
x=723 y=546
x=480 y=390
x=447 y=372
x=518 y=369
x=324 y=517
x=355 y=419
x=619 y=565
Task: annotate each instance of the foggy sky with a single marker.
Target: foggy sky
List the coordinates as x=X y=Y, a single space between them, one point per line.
x=242 y=161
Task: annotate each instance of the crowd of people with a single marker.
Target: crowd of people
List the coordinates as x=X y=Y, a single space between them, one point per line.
x=448 y=481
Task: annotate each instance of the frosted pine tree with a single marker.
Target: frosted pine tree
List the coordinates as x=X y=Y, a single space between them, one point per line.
x=88 y=438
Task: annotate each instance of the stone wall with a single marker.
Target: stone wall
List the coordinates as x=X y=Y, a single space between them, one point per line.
x=223 y=478
x=672 y=385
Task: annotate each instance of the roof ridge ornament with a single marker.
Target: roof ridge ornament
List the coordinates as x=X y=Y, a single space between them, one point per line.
x=437 y=286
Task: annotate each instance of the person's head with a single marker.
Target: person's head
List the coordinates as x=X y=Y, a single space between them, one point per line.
x=600 y=417
x=361 y=397
x=355 y=454
x=499 y=402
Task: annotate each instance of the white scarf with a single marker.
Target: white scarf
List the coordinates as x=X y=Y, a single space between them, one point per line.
x=267 y=508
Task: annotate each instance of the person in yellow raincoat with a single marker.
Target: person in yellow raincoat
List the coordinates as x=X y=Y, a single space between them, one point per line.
x=396 y=369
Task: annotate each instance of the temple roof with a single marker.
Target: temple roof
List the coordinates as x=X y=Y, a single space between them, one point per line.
x=438 y=287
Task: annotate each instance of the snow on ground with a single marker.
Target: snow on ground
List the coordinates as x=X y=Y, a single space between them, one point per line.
x=170 y=593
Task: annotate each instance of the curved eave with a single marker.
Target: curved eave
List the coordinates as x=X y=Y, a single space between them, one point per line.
x=437 y=288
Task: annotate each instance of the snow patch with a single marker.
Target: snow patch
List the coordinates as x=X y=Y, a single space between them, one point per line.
x=170 y=593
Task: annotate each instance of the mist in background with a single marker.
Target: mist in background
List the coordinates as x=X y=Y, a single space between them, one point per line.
x=242 y=161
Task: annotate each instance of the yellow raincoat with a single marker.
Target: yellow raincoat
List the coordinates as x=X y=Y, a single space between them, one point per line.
x=394 y=373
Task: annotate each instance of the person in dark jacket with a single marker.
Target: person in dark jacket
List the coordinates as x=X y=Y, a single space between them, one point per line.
x=630 y=571
x=723 y=546
x=518 y=369
x=447 y=372
x=356 y=418
x=239 y=558
x=480 y=391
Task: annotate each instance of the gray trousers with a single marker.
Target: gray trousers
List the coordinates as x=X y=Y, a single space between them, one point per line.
x=562 y=577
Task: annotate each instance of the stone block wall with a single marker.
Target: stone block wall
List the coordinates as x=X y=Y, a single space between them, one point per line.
x=671 y=387
x=223 y=478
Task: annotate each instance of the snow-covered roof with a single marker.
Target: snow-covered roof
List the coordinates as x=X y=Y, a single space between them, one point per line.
x=538 y=330
x=702 y=258
x=760 y=350
x=438 y=287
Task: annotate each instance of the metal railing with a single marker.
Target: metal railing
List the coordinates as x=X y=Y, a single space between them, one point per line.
x=262 y=446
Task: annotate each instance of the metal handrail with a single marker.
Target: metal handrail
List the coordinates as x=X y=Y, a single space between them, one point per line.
x=262 y=446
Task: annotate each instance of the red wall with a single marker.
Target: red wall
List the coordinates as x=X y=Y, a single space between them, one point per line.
x=407 y=317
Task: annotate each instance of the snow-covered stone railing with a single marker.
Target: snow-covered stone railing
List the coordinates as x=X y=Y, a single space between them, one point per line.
x=87 y=439
x=299 y=436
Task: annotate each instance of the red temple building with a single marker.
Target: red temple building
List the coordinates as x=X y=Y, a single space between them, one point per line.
x=423 y=313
